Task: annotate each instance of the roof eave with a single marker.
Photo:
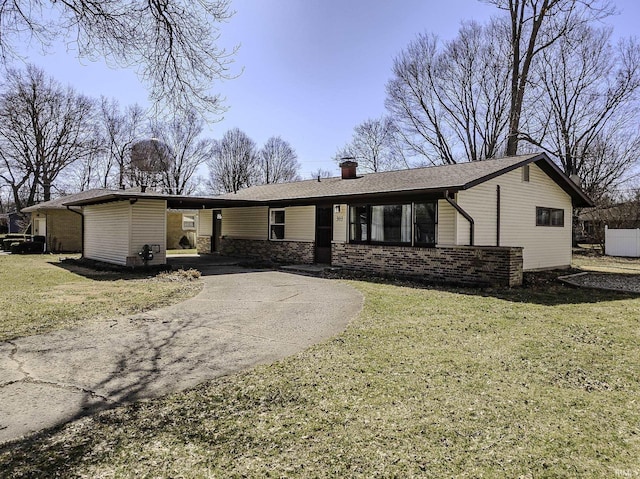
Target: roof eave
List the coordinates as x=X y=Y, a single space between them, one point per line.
x=579 y=198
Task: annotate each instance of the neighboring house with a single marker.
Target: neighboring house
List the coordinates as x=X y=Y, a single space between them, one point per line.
x=61 y=226
x=12 y=222
x=591 y=222
x=480 y=222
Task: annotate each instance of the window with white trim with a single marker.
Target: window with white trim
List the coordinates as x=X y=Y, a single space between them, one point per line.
x=188 y=222
x=276 y=224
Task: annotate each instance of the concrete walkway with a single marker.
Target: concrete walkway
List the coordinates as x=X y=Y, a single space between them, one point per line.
x=240 y=319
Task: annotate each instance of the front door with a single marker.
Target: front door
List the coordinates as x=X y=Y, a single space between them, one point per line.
x=324 y=233
x=40 y=226
x=217 y=231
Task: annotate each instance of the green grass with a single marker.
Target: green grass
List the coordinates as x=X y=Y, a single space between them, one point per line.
x=39 y=294
x=424 y=383
x=606 y=264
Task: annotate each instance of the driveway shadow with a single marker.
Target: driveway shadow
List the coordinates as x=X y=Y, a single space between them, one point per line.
x=240 y=319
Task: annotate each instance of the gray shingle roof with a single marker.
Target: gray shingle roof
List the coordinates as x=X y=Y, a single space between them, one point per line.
x=435 y=179
x=58 y=203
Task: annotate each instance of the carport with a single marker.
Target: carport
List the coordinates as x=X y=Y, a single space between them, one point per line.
x=128 y=228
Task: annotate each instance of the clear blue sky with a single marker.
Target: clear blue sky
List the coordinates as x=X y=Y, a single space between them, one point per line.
x=312 y=69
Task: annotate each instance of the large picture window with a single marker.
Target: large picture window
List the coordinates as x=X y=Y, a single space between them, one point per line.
x=425 y=220
x=276 y=224
x=549 y=216
x=394 y=224
x=359 y=224
x=391 y=223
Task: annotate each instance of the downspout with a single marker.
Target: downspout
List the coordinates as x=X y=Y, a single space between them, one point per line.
x=81 y=229
x=463 y=213
x=498 y=215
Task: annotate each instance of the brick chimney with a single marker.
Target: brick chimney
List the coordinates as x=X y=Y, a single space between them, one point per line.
x=348 y=167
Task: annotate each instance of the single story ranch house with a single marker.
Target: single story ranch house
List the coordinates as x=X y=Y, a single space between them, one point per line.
x=472 y=223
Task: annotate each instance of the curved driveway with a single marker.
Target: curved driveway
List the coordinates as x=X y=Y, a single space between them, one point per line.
x=241 y=318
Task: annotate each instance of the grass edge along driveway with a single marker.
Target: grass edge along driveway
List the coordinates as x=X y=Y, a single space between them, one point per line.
x=424 y=383
x=39 y=294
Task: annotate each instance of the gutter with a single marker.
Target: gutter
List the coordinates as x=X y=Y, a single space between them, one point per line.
x=81 y=229
x=498 y=215
x=466 y=215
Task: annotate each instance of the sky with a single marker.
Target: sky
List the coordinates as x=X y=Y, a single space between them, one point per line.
x=309 y=71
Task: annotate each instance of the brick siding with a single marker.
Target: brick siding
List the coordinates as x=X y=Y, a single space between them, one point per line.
x=64 y=230
x=467 y=265
x=278 y=251
x=203 y=244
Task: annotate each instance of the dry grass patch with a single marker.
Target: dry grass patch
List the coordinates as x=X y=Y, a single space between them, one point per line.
x=38 y=295
x=539 y=382
x=594 y=261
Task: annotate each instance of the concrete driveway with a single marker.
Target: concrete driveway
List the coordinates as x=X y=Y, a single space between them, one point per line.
x=240 y=319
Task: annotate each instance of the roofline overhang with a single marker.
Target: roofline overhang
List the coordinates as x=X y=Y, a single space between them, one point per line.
x=197 y=203
x=579 y=198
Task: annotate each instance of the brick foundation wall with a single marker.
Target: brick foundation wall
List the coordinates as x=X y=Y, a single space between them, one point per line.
x=468 y=265
x=203 y=244
x=277 y=251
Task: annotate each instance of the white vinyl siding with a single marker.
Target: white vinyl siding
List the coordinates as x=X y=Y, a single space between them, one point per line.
x=340 y=224
x=446 y=223
x=148 y=226
x=205 y=223
x=106 y=228
x=300 y=223
x=114 y=231
x=544 y=247
x=246 y=223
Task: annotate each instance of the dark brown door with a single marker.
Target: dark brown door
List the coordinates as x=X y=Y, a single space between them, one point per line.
x=217 y=228
x=324 y=233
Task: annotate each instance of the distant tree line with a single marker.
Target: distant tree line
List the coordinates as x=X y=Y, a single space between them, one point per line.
x=542 y=75
x=56 y=141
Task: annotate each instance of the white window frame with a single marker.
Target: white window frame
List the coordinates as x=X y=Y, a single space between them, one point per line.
x=272 y=212
x=188 y=219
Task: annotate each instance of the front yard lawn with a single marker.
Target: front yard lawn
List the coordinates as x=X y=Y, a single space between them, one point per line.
x=541 y=382
x=37 y=295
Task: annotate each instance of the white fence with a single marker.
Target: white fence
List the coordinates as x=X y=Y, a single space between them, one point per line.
x=622 y=242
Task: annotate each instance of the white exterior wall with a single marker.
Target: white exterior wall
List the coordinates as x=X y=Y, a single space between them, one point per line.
x=544 y=246
x=300 y=223
x=246 y=223
x=106 y=232
x=114 y=231
x=446 y=224
x=149 y=226
x=205 y=222
x=341 y=224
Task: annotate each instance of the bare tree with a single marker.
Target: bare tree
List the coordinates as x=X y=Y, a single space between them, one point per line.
x=374 y=146
x=234 y=162
x=321 y=173
x=150 y=160
x=172 y=42
x=278 y=162
x=43 y=129
x=186 y=150
x=119 y=131
x=587 y=112
x=536 y=25
x=448 y=100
